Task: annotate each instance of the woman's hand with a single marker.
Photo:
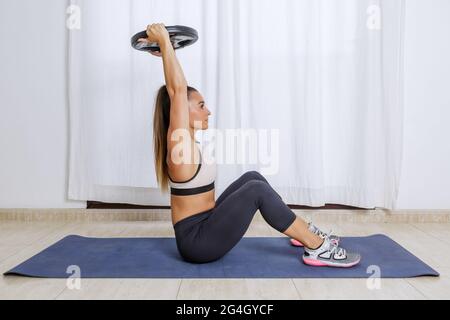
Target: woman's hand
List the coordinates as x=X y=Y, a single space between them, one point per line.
x=156 y=32
x=156 y=53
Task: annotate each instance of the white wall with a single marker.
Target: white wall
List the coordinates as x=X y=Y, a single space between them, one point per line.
x=34 y=111
x=33 y=105
x=425 y=181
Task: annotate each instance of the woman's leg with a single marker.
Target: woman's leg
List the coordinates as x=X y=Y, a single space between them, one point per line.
x=229 y=221
x=248 y=176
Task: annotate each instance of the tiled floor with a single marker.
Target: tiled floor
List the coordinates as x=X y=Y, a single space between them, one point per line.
x=21 y=240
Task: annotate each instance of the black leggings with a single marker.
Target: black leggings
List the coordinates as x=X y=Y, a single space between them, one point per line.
x=209 y=235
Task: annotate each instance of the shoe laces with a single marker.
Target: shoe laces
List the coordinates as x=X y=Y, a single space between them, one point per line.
x=336 y=250
x=321 y=233
x=324 y=234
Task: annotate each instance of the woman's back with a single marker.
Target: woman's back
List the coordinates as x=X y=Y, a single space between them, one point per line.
x=197 y=193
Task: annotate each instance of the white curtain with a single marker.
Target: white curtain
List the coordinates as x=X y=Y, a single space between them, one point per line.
x=324 y=76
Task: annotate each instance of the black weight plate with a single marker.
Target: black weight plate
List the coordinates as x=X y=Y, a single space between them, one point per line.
x=180 y=37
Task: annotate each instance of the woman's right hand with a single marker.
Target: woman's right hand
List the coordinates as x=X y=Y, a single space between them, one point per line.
x=156 y=53
x=156 y=32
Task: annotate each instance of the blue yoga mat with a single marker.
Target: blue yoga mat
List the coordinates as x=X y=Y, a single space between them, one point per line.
x=259 y=257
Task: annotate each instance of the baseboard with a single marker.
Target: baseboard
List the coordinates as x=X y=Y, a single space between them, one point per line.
x=79 y=215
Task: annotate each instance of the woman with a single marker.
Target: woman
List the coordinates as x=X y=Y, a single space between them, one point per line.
x=206 y=229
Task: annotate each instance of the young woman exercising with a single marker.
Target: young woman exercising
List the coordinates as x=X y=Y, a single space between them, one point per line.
x=206 y=229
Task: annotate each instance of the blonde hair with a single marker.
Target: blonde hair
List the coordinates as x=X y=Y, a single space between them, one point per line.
x=161 y=121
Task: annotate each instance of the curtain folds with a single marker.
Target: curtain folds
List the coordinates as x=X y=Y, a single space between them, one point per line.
x=319 y=82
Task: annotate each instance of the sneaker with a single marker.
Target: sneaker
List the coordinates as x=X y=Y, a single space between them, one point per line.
x=330 y=255
x=335 y=239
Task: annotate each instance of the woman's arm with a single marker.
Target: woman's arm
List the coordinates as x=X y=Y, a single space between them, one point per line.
x=176 y=83
x=178 y=135
x=173 y=73
x=177 y=88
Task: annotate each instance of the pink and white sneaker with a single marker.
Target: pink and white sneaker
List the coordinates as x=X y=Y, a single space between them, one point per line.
x=330 y=255
x=335 y=239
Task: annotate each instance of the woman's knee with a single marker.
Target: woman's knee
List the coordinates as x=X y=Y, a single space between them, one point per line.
x=256 y=187
x=255 y=175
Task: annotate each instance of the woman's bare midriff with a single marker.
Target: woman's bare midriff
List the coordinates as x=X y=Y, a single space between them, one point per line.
x=186 y=206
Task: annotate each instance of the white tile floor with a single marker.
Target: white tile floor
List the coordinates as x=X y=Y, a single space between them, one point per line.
x=21 y=240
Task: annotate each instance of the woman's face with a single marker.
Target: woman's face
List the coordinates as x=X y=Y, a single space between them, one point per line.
x=198 y=112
